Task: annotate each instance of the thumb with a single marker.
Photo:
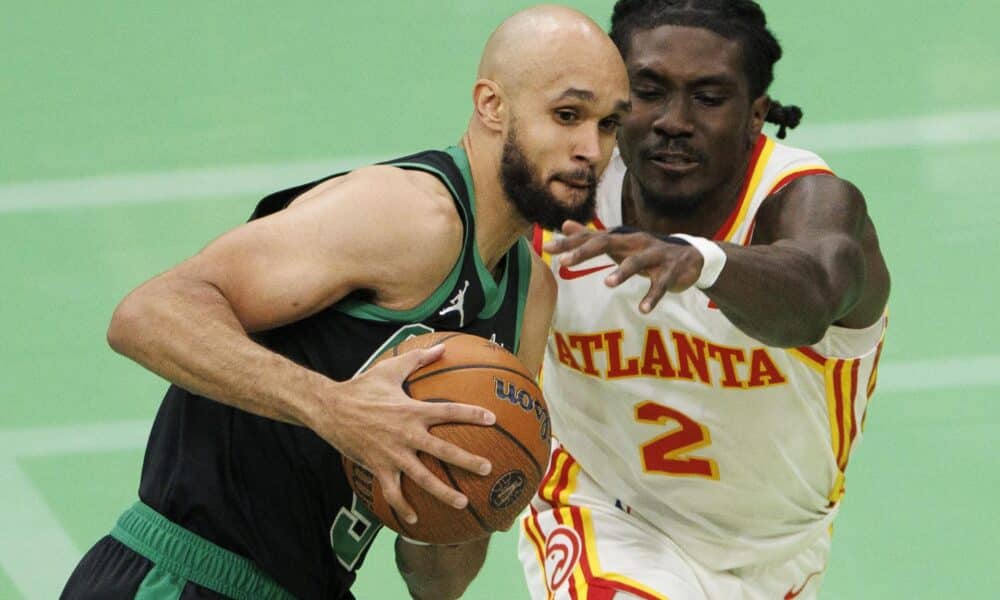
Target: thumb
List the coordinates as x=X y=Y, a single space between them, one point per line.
x=569 y=227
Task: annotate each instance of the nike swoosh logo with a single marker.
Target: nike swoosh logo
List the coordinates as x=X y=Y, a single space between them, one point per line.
x=566 y=273
x=792 y=593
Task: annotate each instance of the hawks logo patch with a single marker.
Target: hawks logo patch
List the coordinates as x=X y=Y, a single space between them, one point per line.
x=562 y=553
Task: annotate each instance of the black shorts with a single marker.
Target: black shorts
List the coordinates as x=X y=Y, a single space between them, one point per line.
x=112 y=571
x=148 y=557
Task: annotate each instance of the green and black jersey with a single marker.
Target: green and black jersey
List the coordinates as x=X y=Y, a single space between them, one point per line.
x=276 y=493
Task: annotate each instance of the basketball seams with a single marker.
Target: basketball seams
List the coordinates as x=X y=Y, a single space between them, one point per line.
x=469 y=507
x=473 y=366
x=498 y=427
x=531 y=457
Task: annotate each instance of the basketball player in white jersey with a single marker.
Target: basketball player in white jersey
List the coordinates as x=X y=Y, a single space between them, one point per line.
x=716 y=335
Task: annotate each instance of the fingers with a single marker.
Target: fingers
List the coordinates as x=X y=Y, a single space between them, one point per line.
x=658 y=286
x=423 y=477
x=455 y=455
x=662 y=271
x=574 y=234
x=586 y=245
x=628 y=267
x=408 y=362
x=569 y=227
x=454 y=412
x=392 y=491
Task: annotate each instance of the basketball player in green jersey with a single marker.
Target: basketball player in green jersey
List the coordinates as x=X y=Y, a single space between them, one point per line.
x=265 y=332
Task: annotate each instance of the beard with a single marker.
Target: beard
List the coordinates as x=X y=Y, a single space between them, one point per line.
x=531 y=195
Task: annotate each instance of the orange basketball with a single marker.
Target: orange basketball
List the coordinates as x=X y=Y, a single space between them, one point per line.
x=473 y=371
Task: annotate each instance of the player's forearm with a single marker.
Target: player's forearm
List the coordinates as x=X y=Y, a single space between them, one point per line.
x=786 y=295
x=439 y=572
x=187 y=334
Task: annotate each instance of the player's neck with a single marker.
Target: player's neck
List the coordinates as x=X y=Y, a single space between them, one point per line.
x=703 y=218
x=498 y=224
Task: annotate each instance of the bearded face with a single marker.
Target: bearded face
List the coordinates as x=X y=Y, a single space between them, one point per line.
x=548 y=199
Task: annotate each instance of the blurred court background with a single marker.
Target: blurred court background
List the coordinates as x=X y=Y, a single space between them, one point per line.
x=134 y=132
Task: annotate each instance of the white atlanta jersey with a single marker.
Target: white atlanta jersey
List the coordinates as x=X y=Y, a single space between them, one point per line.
x=734 y=449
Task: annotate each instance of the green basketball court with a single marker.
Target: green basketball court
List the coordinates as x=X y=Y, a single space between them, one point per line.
x=135 y=132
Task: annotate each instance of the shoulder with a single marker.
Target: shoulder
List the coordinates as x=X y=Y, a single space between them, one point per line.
x=813 y=202
x=403 y=223
x=543 y=284
x=384 y=187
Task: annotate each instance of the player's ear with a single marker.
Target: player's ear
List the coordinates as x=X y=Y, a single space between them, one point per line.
x=490 y=104
x=758 y=115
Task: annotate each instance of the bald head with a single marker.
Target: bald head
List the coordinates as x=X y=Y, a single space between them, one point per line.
x=541 y=43
x=551 y=93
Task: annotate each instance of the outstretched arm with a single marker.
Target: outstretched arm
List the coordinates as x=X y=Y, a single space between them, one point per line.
x=814 y=262
x=444 y=572
x=190 y=324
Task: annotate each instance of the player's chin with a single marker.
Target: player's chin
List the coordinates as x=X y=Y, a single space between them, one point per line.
x=680 y=190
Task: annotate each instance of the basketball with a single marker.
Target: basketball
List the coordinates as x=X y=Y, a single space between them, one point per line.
x=479 y=372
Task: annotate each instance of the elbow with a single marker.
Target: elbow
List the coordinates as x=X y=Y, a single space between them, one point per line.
x=123 y=330
x=804 y=325
x=809 y=334
x=808 y=325
x=795 y=335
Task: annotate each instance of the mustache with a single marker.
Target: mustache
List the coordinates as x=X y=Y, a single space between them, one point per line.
x=675 y=146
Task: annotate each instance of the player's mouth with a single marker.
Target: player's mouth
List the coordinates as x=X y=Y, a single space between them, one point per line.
x=675 y=163
x=580 y=184
x=585 y=184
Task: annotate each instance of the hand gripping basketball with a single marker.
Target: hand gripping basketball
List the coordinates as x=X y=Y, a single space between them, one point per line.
x=472 y=371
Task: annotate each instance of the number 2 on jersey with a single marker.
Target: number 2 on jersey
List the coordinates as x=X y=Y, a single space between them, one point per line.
x=667 y=454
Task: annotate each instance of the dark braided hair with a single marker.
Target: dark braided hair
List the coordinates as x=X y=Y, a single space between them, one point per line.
x=741 y=20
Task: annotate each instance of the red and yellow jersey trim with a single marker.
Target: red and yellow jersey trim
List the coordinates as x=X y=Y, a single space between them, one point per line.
x=782 y=180
x=840 y=380
x=755 y=171
x=588 y=581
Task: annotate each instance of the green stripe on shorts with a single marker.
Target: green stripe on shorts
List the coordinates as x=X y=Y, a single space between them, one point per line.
x=181 y=556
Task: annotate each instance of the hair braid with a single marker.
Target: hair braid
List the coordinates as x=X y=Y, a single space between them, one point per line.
x=785 y=117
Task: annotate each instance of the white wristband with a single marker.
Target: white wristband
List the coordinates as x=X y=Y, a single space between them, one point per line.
x=714 y=259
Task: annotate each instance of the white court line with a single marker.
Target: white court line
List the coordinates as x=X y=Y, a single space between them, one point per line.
x=255 y=180
x=944 y=129
x=165 y=186
x=35 y=551
x=38 y=555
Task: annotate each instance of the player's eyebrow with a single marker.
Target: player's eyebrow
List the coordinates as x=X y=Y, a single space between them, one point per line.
x=622 y=106
x=716 y=80
x=585 y=95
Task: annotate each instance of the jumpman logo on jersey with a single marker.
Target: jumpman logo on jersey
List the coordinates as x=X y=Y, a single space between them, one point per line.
x=457 y=304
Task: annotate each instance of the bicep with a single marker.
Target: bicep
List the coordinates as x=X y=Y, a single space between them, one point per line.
x=820 y=219
x=300 y=260
x=538 y=309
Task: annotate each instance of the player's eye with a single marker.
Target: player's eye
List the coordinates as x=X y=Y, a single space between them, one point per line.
x=566 y=116
x=610 y=125
x=709 y=99
x=647 y=94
